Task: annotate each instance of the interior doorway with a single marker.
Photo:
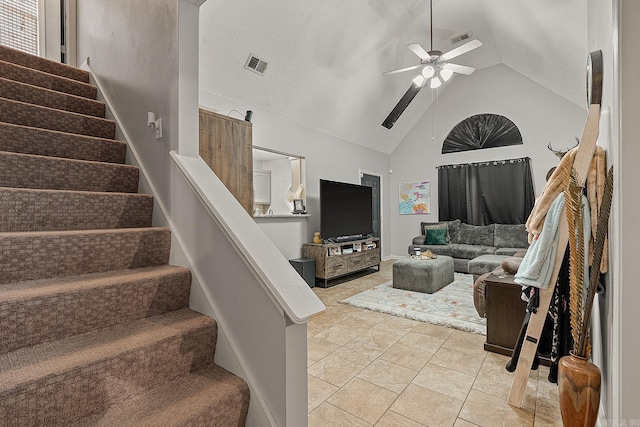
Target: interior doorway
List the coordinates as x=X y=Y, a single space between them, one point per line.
x=374 y=181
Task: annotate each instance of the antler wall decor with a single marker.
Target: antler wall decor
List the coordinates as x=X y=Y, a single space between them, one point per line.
x=560 y=153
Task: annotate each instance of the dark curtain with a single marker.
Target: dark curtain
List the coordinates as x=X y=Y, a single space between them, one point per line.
x=498 y=192
x=452 y=203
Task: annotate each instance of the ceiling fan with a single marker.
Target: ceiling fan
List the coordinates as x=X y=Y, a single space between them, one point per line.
x=435 y=69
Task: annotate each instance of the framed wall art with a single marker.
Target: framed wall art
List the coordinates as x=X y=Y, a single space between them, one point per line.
x=415 y=198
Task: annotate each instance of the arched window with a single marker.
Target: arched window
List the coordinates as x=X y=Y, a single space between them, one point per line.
x=481 y=131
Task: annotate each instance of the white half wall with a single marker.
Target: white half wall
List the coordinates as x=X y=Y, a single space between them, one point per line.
x=542 y=117
x=326 y=157
x=133 y=47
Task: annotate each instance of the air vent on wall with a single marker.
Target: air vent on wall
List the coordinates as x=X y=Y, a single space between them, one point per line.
x=461 y=37
x=256 y=64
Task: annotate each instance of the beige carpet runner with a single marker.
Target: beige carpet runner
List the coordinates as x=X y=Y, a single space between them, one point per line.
x=95 y=327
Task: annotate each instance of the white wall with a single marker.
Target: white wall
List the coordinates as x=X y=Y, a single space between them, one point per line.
x=280 y=184
x=326 y=156
x=629 y=233
x=542 y=117
x=613 y=27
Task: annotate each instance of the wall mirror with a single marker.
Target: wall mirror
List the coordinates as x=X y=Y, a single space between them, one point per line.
x=278 y=179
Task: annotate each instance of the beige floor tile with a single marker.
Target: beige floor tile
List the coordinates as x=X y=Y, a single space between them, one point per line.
x=336 y=335
x=490 y=411
x=467 y=363
x=328 y=415
x=457 y=352
x=422 y=342
x=427 y=407
x=495 y=361
x=498 y=384
x=359 y=352
x=388 y=375
x=335 y=370
x=547 y=405
x=543 y=372
x=444 y=380
x=544 y=420
x=379 y=338
x=406 y=356
x=433 y=330
x=465 y=336
x=319 y=324
x=313 y=330
x=465 y=341
x=364 y=400
x=371 y=316
x=498 y=362
x=546 y=389
x=391 y=419
x=317 y=348
x=319 y=391
x=398 y=323
x=356 y=324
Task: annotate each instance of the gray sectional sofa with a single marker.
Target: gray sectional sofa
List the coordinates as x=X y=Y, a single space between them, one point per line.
x=466 y=242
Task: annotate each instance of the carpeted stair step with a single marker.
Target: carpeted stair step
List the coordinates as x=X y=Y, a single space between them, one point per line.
x=21 y=113
x=31 y=140
x=14 y=56
x=37 y=255
x=210 y=396
x=36 y=95
x=45 y=80
x=53 y=173
x=25 y=209
x=37 y=311
x=57 y=383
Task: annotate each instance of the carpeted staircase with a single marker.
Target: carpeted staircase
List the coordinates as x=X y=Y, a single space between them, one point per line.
x=95 y=327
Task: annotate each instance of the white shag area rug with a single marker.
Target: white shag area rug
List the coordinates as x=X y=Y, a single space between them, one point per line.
x=451 y=306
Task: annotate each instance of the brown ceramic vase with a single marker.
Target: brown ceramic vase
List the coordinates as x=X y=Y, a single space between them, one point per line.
x=579 y=390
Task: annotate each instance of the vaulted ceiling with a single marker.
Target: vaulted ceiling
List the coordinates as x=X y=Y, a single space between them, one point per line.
x=326 y=57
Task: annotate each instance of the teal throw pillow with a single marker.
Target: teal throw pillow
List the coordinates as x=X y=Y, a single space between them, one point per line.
x=436 y=236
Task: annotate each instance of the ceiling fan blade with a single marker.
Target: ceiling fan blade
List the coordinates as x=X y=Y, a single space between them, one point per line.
x=401 y=106
x=460 y=69
x=473 y=44
x=418 y=50
x=401 y=70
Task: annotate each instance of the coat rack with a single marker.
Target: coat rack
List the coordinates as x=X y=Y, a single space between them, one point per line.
x=581 y=164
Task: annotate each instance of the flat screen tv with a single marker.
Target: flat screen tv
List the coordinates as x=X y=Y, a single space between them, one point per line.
x=345 y=209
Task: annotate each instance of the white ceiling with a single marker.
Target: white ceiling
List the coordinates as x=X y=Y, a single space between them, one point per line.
x=326 y=57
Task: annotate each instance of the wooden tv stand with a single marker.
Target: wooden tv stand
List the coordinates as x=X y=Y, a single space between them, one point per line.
x=339 y=259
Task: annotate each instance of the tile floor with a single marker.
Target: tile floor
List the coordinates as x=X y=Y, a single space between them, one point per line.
x=367 y=368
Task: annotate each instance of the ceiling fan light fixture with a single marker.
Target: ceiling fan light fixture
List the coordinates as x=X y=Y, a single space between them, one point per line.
x=446 y=74
x=435 y=83
x=419 y=80
x=428 y=72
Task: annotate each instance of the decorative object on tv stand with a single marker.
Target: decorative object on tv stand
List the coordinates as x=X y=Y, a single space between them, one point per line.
x=316 y=238
x=298 y=206
x=415 y=198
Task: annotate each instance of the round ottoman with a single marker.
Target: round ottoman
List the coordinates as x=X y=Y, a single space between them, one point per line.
x=423 y=275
